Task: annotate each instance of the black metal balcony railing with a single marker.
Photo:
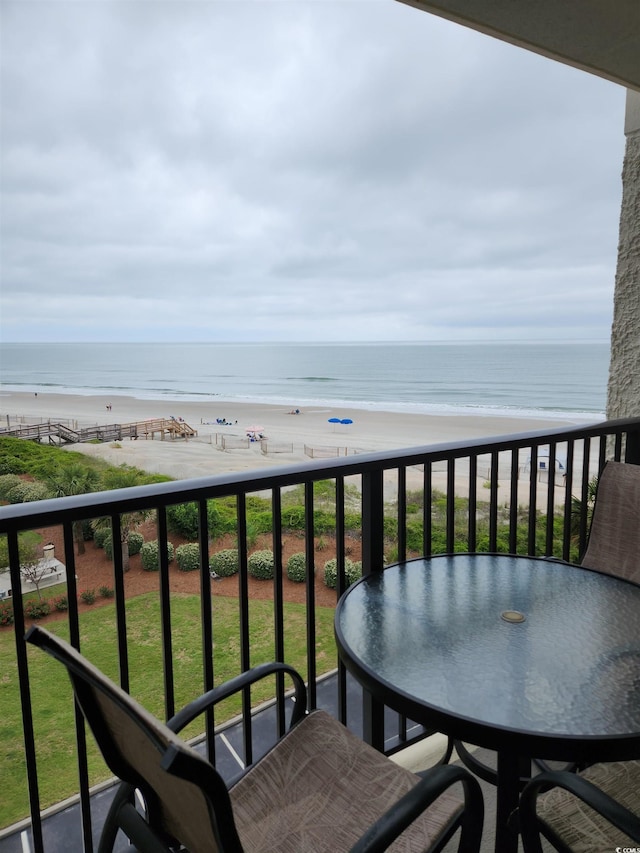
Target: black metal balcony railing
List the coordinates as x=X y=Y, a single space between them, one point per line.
x=533 y=498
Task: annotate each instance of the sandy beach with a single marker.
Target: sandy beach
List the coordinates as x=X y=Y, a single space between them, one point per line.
x=287 y=434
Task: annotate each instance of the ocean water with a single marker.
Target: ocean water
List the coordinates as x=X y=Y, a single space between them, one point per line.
x=519 y=378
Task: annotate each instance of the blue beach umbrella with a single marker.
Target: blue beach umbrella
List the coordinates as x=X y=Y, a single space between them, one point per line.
x=346 y=421
x=334 y=421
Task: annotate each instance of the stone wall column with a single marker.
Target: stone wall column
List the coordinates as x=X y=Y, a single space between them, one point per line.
x=623 y=398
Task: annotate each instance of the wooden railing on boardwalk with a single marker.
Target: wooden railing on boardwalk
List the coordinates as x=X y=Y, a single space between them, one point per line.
x=58 y=433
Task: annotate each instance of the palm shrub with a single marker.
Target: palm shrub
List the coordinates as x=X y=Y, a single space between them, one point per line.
x=352 y=571
x=150 y=555
x=260 y=565
x=225 y=563
x=297 y=568
x=100 y=534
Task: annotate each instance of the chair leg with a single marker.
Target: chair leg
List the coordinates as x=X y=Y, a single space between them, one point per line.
x=125 y=794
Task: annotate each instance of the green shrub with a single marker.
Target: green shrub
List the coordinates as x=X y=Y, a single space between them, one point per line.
x=150 y=555
x=88 y=596
x=188 y=557
x=100 y=535
x=134 y=544
x=61 y=603
x=225 y=563
x=106 y=591
x=8 y=482
x=352 y=571
x=260 y=565
x=6 y=613
x=262 y=521
x=136 y=541
x=184 y=519
x=293 y=518
x=26 y=492
x=12 y=465
x=35 y=609
x=297 y=568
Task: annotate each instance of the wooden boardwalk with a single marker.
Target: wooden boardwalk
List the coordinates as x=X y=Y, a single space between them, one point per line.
x=57 y=433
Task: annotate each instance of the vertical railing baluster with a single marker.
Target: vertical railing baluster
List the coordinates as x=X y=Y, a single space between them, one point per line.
x=513 y=501
x=533 y=500
x=165 y=613
x=451 y=506
x=25 y=690
x=278 y=603
x=493 y=502
x=372 y=521
x=311 y=590
x=81 y=732
x=584 y=497
x=632 y=447
x=341 y=686
x=551 y=490
x=402 y=513
x=121 y=618
x=617 y=452
x=427 y=521
x=207 y=626
x=245 y=648
x=566 y=536
x=341 y=580
x=473 y=504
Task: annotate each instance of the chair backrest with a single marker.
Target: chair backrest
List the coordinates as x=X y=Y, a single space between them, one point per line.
x=614 y=538
x=192 y=807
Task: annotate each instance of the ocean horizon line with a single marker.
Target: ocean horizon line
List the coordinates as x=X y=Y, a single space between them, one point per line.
x=377 y=343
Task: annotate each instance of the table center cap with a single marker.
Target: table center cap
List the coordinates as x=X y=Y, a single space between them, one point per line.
x=513 y=616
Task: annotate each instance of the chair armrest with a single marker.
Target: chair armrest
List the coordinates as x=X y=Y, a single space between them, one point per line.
x=396 y=819
x=615 y=813
x=228 y=688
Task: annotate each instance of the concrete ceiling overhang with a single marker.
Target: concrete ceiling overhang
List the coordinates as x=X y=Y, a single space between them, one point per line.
x=598 y=36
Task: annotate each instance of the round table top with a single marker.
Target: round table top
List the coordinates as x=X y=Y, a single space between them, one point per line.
x=500 y=650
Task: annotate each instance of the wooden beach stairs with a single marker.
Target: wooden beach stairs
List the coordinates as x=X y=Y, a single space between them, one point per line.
x=58 y=433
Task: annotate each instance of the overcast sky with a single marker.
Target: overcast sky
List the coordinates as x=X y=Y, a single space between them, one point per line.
x=291 y=171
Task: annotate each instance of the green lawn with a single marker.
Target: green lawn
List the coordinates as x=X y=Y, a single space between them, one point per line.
x=51 y=693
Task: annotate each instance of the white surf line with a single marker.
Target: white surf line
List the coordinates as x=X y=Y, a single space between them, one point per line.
x=225 y=740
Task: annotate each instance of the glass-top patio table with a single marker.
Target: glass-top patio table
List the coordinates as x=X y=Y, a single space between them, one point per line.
x=528 y=657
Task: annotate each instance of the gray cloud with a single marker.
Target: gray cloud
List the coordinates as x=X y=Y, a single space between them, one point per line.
x=297 y=171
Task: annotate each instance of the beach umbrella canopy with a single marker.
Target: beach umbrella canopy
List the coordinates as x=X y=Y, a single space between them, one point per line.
x=334 y=420
x=346 y=421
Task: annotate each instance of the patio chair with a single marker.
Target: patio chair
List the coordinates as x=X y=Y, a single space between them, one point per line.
x=320 y=788
x=614 y=538
x=596 y=809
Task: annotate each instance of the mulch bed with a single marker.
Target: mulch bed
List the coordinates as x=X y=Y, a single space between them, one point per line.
x=95 y=570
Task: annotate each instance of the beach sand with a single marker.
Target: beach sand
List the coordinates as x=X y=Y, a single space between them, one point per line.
x=371 y=431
